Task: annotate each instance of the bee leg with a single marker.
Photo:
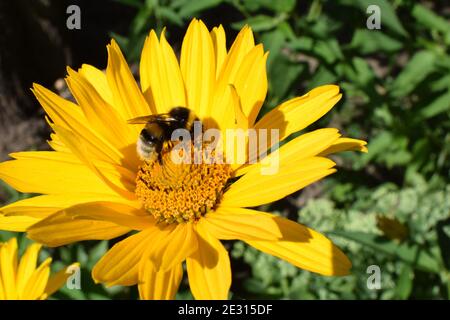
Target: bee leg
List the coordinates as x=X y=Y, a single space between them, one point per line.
x=160 y=159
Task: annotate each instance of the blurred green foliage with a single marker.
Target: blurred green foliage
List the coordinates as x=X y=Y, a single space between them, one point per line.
x=396 y=84
x=415 y=267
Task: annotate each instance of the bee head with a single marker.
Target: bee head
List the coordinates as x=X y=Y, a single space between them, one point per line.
x=149 y=144
x=148 y=138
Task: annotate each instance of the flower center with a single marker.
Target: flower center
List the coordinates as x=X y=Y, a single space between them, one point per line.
x=180 y=192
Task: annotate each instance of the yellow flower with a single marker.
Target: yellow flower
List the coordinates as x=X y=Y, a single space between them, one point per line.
x=95 y=186
x=22 y=280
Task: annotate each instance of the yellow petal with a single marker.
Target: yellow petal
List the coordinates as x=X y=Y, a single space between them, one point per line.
x=56 y=144
x=34 y=288
x=198 y=68
x=209 y=268
x=298 y=113
x=254 y=189
x=66 y=114
x=27 y=266
x=121 y=183
x=241 y=46
x=16 y=223
x=345 y=144
x=307 y=145
x=125 y=175
x=98 y=80
x=58 y=229
x=97 y=110
x=172 y=245
x=42 y=206
x=219 y=40
x=224 y=111
x=240 y=118
x=223 y=106
x=61 y=111
x=233 y=124
x=251 y=82
x=306 y=249
x=161 y=79
x=2 y=290
x=238 y=223
x=57 y=280
x=127 y=96
x=49 y=172
x=120 y=265
x=120 y=214
x=8 y=268
x=162 y=285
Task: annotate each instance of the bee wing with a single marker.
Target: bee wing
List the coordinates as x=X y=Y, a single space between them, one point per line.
x=165 y=117
x=143 y=120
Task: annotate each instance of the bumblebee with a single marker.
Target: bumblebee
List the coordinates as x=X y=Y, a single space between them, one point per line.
x=156 y=135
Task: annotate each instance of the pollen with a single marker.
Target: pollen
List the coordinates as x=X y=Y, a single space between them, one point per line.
x=180 y=192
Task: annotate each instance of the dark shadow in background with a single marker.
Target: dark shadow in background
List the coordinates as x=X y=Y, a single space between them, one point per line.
x=36 y=46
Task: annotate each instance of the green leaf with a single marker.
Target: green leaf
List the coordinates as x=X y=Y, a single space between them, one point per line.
x=82 y=256
x=255 y=286
x=443 y=235
x=398 y=157
x=97 y=296
x=372 y=41
x=329 y=50
x=405 y=283
x=440 y=84
x=170 y=15
x=358 y=73
x=280 y=5
x=273 y=42
x=140 y=20
x=437 y=106
x=134 y=47
x=378 y=144
x=429 y=19
x=417 y=69
x=322 y=76
x=97 y=252
x=409 y=253
x=12 y=195
x=66 y=255
x=178 y=3
x=287 y=30
x=277 y=6
x=131 y=3
x=443 y=62
x=6 y=235
x=323 y=27
x=388 y=16
x=302 y=44
x=284 y=76
x=364 y=72
x=314 y=11
x=258 y=23
x=251 y=5
x=190 y=8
